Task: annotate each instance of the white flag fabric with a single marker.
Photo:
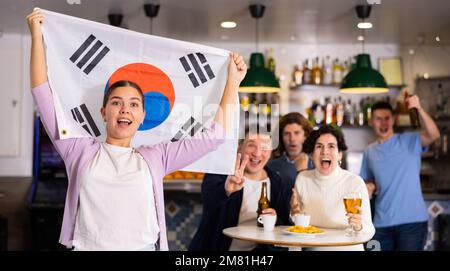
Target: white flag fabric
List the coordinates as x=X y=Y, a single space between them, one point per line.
x=182 y=83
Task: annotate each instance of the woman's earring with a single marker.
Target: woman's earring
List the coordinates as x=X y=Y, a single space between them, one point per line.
x=340 y=162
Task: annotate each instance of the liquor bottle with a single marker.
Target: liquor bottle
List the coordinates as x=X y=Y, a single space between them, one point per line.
x=334 y=116
x=271 y=61
x=319 y=114
x=263 y=202
x=312 y=111
x=413 y=114
x=327 y=71
x=367 y=109
x=340 y=112
x=349 y=118
x=360 y=114
x=328 y=111
x=245 y=101
x=297 y=75
x=307 y=77
x=316 y=73
x=338 y=71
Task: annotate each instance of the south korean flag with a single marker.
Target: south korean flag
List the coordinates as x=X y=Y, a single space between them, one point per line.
x=182 y=83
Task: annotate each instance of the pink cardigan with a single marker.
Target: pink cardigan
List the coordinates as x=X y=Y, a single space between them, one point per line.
x=162 y=159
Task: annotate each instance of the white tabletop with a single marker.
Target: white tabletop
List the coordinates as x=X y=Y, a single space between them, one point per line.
x=280 y=237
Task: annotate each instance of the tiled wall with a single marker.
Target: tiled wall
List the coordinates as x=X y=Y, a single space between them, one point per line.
x=183 y=213
x=435 y=208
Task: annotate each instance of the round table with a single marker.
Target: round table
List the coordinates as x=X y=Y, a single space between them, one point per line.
x=280 y=237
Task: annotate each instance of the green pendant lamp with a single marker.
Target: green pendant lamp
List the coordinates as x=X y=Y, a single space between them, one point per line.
x=258 y=79
x=363 y=78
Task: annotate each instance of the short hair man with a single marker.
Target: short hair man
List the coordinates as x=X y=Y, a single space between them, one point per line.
x=391 y=167
x=232 y=200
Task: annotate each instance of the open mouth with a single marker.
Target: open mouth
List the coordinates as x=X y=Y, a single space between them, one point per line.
x=254 y=162
x=325 y=163
x=383 y=130
x=124 y=122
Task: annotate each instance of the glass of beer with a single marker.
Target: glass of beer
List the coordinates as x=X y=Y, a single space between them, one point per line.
x=351 y=200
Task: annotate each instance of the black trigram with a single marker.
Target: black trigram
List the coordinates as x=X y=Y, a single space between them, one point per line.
x=89 y=54
x=90 y=125
x=190 y=128
x=192 y=66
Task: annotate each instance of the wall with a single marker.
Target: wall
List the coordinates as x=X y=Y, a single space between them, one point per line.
x=17 y=126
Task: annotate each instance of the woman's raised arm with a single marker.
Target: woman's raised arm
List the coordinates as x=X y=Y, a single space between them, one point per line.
x=38 y=66
x=236 y=73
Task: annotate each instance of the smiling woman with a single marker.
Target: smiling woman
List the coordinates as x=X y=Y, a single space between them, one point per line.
x=123 y=111
x=115 y=198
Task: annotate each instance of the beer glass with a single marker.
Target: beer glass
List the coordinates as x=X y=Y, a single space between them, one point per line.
x=351 y=200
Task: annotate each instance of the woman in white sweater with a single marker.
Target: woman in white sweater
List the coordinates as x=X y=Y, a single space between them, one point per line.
x=320 y=192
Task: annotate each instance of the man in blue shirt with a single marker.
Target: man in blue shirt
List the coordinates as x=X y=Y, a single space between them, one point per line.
x=289 y=159
x=391 y=167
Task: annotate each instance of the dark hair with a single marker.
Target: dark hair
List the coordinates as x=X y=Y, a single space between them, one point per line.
x=291 y=118
x=382 y=105
x=123 y=83
x=310 y=142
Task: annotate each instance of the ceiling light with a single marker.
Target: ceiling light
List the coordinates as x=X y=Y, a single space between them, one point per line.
x=363 y=78
x=411 y=51
x=426 y=75
x=151 y=11
x=258 y=79
x=364 y=25
x=438 y=39
x=228 y=24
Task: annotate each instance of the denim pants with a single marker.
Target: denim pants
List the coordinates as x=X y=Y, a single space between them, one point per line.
x=404 y=237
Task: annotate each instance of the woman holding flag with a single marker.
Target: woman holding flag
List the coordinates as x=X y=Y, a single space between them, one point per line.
x=114 y=199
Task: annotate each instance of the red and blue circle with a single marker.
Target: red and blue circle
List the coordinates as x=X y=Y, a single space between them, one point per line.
x=159 y=94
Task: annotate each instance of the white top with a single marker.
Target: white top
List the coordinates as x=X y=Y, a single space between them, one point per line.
x=249 y=208
x=117 y=208
x=322 y=197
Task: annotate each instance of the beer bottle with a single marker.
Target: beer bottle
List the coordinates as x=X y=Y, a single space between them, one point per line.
x=413 y=115
x=263 y=202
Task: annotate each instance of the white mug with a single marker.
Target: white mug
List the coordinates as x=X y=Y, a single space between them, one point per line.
x=268 y=221
x=302 y=220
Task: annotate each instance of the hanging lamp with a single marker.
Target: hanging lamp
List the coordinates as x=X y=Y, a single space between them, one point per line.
x=258 y=79
x=363 y=78
x=151 y=11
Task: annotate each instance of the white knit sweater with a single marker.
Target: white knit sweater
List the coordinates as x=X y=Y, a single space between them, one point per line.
x=322 y=197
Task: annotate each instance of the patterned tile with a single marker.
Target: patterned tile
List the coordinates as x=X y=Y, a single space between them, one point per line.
x=435 y=209
x=183 y=214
